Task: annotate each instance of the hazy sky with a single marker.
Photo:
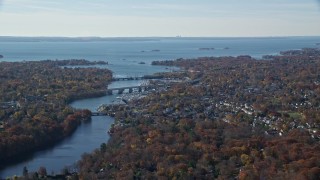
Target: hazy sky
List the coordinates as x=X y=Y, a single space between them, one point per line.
x=125 y=18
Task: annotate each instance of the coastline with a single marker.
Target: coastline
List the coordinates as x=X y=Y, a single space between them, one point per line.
x=162 y=51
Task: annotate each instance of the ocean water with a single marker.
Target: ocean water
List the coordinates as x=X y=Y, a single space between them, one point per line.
x=122 y=53
x=124 y=56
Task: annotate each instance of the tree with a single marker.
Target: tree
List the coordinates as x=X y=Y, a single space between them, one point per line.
x=25 y=171
x=103 y=147
x=42 y=171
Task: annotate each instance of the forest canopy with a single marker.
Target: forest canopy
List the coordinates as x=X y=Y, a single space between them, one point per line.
x=235 y=117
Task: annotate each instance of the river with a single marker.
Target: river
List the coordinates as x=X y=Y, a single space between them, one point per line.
x=85 y=139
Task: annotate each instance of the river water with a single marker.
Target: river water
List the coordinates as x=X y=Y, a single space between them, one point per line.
x=124 y=57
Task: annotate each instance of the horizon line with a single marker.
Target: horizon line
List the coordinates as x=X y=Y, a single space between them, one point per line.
x=178 y=36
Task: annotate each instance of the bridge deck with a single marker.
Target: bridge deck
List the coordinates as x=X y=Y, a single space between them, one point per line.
x=129 y=87
x=138 y=78
x=127 y=78
x=98 y=114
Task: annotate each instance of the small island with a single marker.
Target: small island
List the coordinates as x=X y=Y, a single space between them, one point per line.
x=154 y=50
x=206 y=49
x=1 y=56
x=79 y=62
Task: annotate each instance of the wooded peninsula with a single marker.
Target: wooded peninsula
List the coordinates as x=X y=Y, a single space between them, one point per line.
x=232 y=118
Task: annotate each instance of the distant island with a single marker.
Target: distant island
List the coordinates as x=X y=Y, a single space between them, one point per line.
x=154 y=50
x=80 y=62
x=211 y=49
x=1 y=56
x=206 y=49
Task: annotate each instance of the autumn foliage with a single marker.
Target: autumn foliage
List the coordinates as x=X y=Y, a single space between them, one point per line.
x=233 y=118
x=34 y=99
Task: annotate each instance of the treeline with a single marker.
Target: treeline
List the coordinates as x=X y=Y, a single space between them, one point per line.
x=19 y=140
x=34 y=98
x=235 y=118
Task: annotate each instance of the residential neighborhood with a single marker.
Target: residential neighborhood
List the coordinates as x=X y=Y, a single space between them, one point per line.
x=231 y=116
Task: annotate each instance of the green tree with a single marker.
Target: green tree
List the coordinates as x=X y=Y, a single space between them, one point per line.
x=103 y=147
x=25 y=171
x=42 y=171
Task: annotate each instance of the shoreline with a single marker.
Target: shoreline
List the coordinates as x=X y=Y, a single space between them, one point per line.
x=128 y=97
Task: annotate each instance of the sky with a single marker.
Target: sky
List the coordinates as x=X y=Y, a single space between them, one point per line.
x=161 y=18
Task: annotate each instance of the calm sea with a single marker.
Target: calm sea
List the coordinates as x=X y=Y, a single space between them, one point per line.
x=122 y=53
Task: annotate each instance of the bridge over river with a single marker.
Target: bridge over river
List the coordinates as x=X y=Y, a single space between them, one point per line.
x=99 y=114
x=130 y=89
